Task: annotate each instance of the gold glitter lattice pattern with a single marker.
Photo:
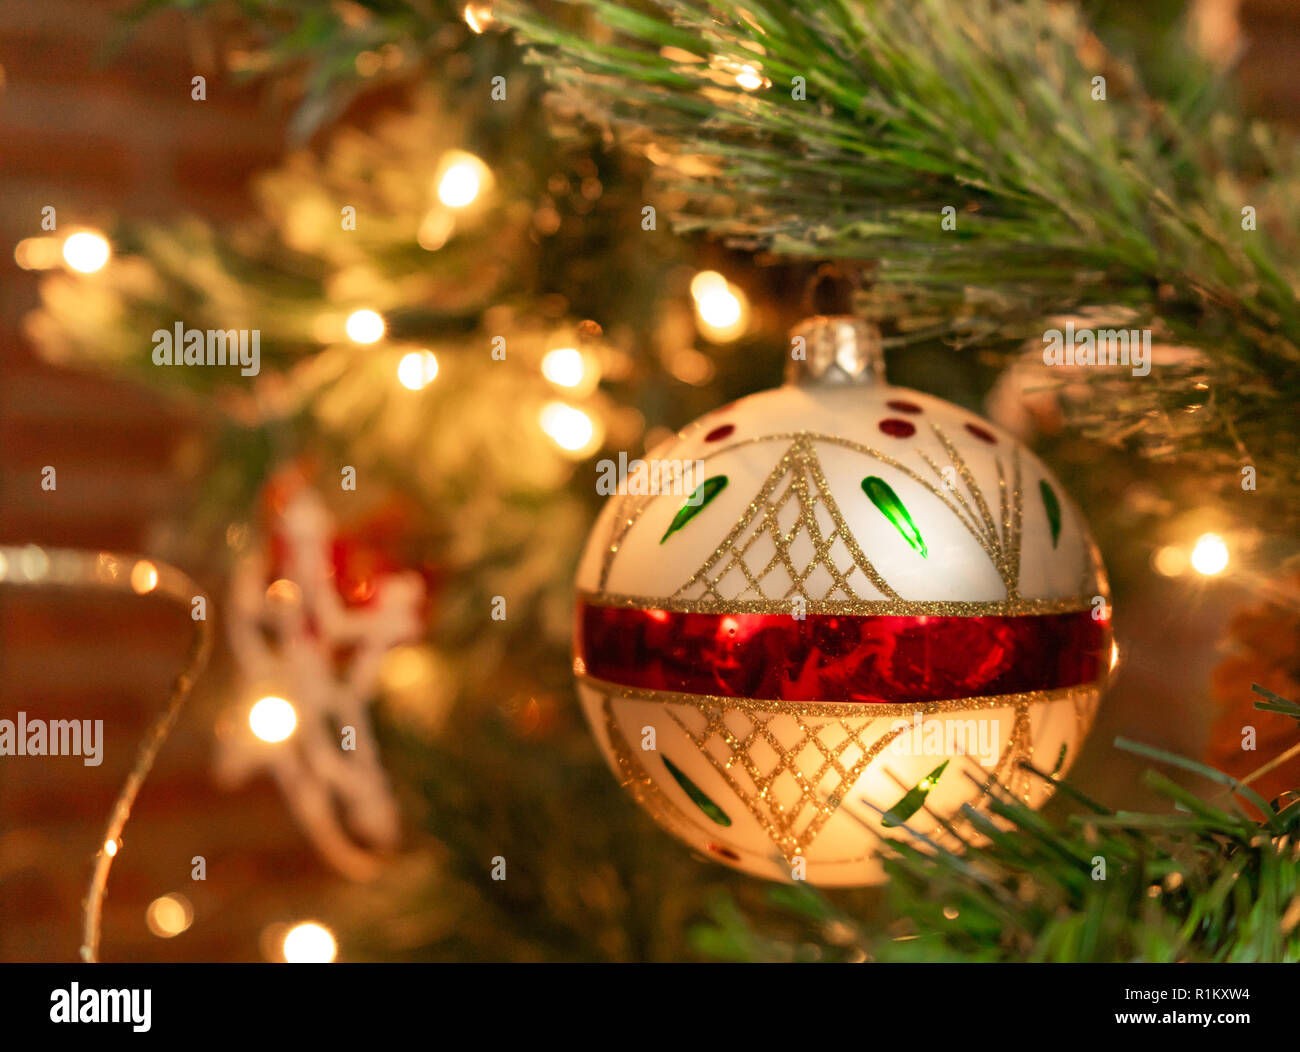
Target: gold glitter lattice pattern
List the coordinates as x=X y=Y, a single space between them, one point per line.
x=766 y=767
x=814 y=553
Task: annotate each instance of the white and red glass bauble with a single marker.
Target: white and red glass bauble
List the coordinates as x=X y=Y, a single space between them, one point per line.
x=832 y=614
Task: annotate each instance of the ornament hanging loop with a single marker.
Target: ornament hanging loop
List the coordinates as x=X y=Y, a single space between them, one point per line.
x=837 y=349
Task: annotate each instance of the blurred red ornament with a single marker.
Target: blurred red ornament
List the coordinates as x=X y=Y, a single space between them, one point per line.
x=362 y=552
x=1265 y=645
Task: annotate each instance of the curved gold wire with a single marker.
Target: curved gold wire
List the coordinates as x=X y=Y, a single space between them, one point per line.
x=35 y=566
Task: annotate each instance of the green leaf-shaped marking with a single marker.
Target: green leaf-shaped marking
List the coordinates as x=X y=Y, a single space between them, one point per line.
x=912 y=799
x=1053 y=507
x=883 y=497
x=697 y=795
x=1060 y=761
x=695 y=503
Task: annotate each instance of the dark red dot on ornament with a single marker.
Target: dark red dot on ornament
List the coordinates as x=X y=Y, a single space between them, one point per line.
x=897 y=428
x=981 y=434
x=903 y=407
x=719 y=433
x=723 y=852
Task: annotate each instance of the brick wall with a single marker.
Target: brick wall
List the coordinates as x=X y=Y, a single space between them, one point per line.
x=96 y=137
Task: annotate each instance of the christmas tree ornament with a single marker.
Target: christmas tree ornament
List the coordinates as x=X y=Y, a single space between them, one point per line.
x=831 y=614
x=312 y=616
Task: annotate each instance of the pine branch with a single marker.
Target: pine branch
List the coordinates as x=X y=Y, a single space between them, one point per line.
x=911 y=107
x=1063 y=202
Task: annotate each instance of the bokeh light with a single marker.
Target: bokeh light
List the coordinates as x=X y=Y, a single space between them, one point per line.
x=169 y=915
x=365 y=326
x=463 y=178
x=272 y=719
x=86 y=251
x=417 y=370
x=568 y=427
x=309 y=943
x=564 y=366
x=144 y=577
x=721 y=309
x=1210 y=555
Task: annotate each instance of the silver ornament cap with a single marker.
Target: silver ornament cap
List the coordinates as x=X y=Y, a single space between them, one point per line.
x=836 y=349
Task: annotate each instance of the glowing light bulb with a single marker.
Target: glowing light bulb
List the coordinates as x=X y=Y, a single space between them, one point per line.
x=563 y=366
x=272 y=719
x=417 y=370
x=169 y=915
x=110 y=848
x=478 y=16
x=463 y=179
x=309 y=943
x=721 y=309
x=365 y=326
x=1210 y=555
x=144 y=577
x=571 y=429
x=86 y=251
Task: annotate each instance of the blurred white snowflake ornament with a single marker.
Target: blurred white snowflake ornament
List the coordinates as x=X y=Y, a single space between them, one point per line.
x=296 y=638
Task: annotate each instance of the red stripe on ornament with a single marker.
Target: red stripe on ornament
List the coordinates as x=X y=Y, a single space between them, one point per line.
x=834 y=657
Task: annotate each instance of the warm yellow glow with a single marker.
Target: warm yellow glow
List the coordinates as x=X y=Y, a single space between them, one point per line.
x=33 y=563
x=38 y=253
x=108 y=568
x=721 y=309
x=691 y=367
x=571 y=429
x=1169 y=561
x=1114 y=655
x=144 y=577
x=365 y=326
x=564 y=366
x=272 y=719
x=464 y=177
x=478 y=16
x=406 y=668
x=707 y=281
x=417 y=370
x=86 y=251
x=284 y=591
x=435 y=229
x=169 y=915
x=110 y=848
x=1210 y=555
x=309 y=943
x=748 y=76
